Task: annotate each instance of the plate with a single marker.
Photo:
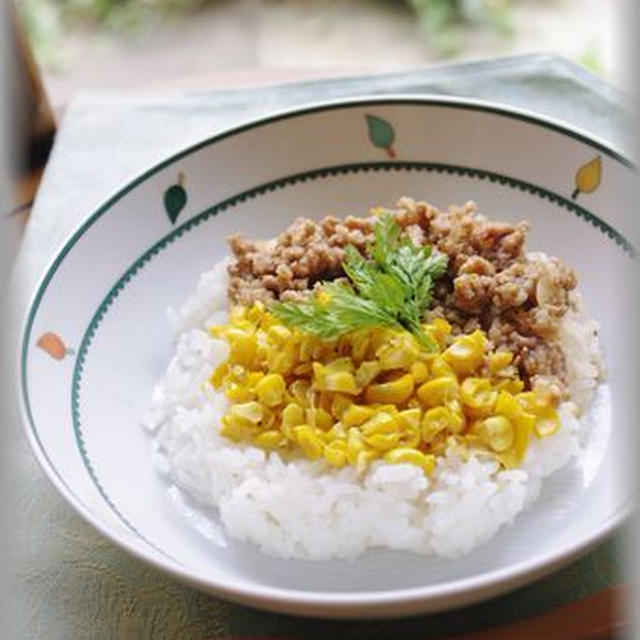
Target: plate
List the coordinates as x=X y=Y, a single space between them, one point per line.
x=96 y=338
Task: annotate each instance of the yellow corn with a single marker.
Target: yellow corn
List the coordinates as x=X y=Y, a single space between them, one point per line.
x=319 y=418
x=355 y=445
x=437 y=391
x=498 y=432
x=292 y=415
x=439 y=420
x=308 y=441
x=364 y=459
x=279 y=334
x=282 y=359
x=271 y=439
x=255 y=313
x=546 y=424
x=499 y=360
x=334 y=377
x=396 y=391
x=356 y=414
x=411 y=456
x=477 y=395
x=335 y=456
x=250 y=412
x=366 y=373
x=301 y=392
x=400 y=353
x=410 y=418
x=381 y=422
x=243 y=346
x=466 y=353
x=239 y=392
x=292 y=389
x=231 y=429
x=419 y=371
x=339 y=404
x=440 y=368
x=382 y=441
x=441 y=328
x=271 y=389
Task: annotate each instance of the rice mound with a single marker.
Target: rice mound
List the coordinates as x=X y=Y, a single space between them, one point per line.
x=307 y=509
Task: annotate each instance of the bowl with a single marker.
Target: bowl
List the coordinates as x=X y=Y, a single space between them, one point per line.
x=96 y=338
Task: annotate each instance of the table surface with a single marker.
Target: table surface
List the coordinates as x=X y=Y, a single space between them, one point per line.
x=72 y=583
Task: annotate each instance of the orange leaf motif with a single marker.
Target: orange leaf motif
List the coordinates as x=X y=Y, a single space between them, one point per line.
x=53 y=345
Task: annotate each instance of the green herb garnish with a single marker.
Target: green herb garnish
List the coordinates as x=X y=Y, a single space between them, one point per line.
x=393 y=288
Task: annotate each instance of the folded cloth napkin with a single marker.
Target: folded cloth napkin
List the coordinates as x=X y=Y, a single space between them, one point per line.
x=71 y=582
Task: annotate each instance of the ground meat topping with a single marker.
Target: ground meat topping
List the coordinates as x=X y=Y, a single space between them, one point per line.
x=491 y=284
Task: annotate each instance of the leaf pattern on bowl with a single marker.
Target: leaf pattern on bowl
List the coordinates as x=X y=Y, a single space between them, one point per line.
x=52 y=344
x=175 y=199
x=588 y=177
x=381 y=133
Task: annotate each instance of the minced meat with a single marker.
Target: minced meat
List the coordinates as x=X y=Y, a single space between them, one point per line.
x=518 y=299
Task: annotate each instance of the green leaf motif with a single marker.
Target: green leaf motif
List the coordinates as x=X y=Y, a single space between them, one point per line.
x=175 y=199
x=381 y=134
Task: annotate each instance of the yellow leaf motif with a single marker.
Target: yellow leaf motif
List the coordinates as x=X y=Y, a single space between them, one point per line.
x=588 y=177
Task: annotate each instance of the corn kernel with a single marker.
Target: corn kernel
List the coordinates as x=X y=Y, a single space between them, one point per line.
x=334 y=377
x=339 y=404
x=292 y=415
x=405 y=455
x=300 y=391
x=282 y=359
x=466 y=353
x=355 y=445
x=410 y=418
x=437 y=391
x=499 y=360
x=308 y=441
x=251 y=412
x=356 y=414
x=419 y=371
x=279 y=334
x=439 y=420
x=239 y=392
x=477 y=395
x=360 y=346
x=381 y=422
x=498 y=433
x=440 y=368
x=382 y=441
x=366 y=373
x=364 y=459
x=256 y=311
x=399 y=353
x=396 y=391
x=335 y=457
x=231 y=429
x=319 y=418
x=546 y=424
x=441 y=327
x=271 y=439
x=271 y=389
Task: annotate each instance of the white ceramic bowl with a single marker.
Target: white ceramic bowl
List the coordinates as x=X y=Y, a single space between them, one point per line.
x=96 y=337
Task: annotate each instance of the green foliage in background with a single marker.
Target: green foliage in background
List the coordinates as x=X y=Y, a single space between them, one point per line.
x=443 y=21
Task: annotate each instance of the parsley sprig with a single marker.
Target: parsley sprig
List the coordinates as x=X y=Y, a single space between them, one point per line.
x=392 y=288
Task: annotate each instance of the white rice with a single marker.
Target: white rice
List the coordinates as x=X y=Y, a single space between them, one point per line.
x=306 y=509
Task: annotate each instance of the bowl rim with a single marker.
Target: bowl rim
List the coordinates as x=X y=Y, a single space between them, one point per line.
x=324 y=603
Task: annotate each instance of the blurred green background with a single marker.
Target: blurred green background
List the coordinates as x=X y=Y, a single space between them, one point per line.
x=119 y=43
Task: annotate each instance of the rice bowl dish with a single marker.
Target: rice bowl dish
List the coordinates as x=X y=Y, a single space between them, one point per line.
x=294 y=507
